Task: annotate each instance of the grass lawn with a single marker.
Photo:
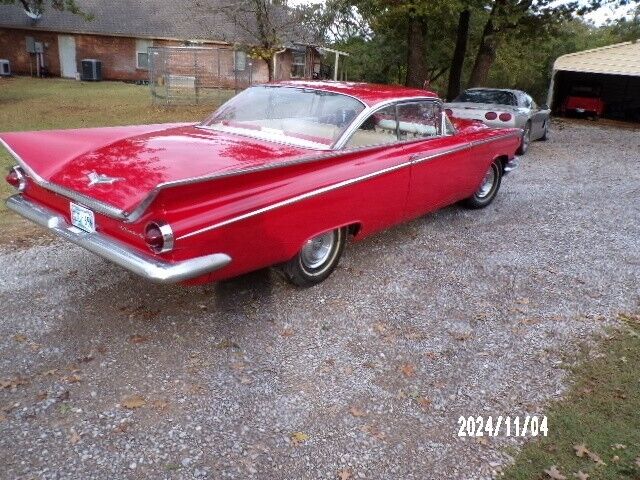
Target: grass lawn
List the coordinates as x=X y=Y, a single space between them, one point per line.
x=601 y=412
x=41 y=104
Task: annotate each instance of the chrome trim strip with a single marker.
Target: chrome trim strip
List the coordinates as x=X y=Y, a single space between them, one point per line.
x=412 y=161
x=150 y=268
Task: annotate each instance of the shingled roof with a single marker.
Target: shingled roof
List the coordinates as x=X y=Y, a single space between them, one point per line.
x=182 y=20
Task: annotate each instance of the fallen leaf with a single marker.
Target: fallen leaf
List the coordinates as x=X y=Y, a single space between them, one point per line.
x=408 y=369
x=299 y=437
x=595 y=457
x=3 y=417
x=287 y=332
x=160 y=404
x=482 y=440
x=637 y=462
x=345 y=474
x=356 y=412
x=581 y=475
x=138 y=338
x=73 y=378
x=554 y=473
x=615 y=458
x=618 y=446
x=41 y=396
x=74 y=438
x=20 y=338
x=580 y=450
x=380 y=327
x=373 y=431
x=424 y=402
x=133 y=401
x=50 y=373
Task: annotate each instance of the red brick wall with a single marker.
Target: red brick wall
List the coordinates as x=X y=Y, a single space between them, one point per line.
x=13 y=46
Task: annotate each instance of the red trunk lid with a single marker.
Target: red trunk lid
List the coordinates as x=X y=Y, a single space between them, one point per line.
x=137 y=159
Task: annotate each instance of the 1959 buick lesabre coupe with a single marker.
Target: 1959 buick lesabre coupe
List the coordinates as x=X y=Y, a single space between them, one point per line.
x=282 y=174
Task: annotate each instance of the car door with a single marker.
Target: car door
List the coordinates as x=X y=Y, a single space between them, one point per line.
x=442 y=171
x=373 y=150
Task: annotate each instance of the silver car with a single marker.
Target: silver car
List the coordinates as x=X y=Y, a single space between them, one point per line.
x=503 y=108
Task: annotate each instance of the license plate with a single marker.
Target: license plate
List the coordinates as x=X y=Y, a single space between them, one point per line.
x=82 y=218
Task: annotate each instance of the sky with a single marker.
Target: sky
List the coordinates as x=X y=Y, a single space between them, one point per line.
x=598 y=17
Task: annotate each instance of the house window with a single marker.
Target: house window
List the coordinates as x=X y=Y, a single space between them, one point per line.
x=240 y=61
x=298 y=64
x=142 y=53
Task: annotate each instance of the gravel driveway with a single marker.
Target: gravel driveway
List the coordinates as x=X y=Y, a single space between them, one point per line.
x=456 y=313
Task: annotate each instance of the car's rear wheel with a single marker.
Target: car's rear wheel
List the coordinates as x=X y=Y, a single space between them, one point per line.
x=488 y=188
x=317 y=258
x=526 y=139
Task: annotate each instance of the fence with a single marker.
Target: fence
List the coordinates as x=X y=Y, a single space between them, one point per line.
x=194 y=75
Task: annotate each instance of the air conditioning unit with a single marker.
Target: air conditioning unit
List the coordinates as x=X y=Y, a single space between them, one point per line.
x=91 y=70
x=5 y=68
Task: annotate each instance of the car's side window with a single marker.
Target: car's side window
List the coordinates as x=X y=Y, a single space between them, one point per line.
x=421 y=119
x=381 y=127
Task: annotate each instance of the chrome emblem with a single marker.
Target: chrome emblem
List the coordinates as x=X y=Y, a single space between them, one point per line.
x=99 y=179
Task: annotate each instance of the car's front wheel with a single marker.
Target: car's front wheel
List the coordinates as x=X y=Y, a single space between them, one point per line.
x=488 y=188
x=317 y=258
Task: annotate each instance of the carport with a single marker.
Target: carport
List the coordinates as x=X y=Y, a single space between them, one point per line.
x=614 y=71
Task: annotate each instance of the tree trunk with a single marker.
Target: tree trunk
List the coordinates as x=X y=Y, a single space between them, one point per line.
x=486 y=53
x=270 y=69
x=455 y=72
x=416 y=64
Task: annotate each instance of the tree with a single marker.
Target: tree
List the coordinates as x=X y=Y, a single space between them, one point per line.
x=459 y=54
x=266 y=25
x=37 y=7
x=508 y=15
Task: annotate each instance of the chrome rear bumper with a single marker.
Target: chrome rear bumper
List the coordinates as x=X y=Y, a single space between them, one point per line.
x=148 y=267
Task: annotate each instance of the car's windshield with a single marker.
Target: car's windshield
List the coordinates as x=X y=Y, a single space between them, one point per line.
x=498 y=97
x=299 y=116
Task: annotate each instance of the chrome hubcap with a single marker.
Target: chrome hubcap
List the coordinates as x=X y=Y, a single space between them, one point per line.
x=317 y=250
x=487 y=183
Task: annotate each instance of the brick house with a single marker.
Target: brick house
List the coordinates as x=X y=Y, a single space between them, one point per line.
x=121 y=33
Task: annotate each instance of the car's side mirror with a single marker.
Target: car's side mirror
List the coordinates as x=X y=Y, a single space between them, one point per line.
x=544 y=107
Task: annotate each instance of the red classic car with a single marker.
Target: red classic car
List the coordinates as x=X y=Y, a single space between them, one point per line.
x=280 y=175
x=584 y=99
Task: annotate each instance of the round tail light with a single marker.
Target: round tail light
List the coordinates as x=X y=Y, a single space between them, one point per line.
x=159 y=237
x=449 y=112
x=491 y=115
x=505 y=117
x=17 y=179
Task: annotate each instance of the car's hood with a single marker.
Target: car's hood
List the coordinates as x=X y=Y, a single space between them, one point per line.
x=122 y=165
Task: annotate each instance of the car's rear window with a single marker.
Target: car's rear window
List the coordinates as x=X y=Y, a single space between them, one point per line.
x=299 y=116
x=499 y=97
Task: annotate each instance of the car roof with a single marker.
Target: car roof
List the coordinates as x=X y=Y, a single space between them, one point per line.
x=368 y=93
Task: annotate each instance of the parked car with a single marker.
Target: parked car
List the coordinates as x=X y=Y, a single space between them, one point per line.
x=503 y=108
x=279 y=175
x=584 y=100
